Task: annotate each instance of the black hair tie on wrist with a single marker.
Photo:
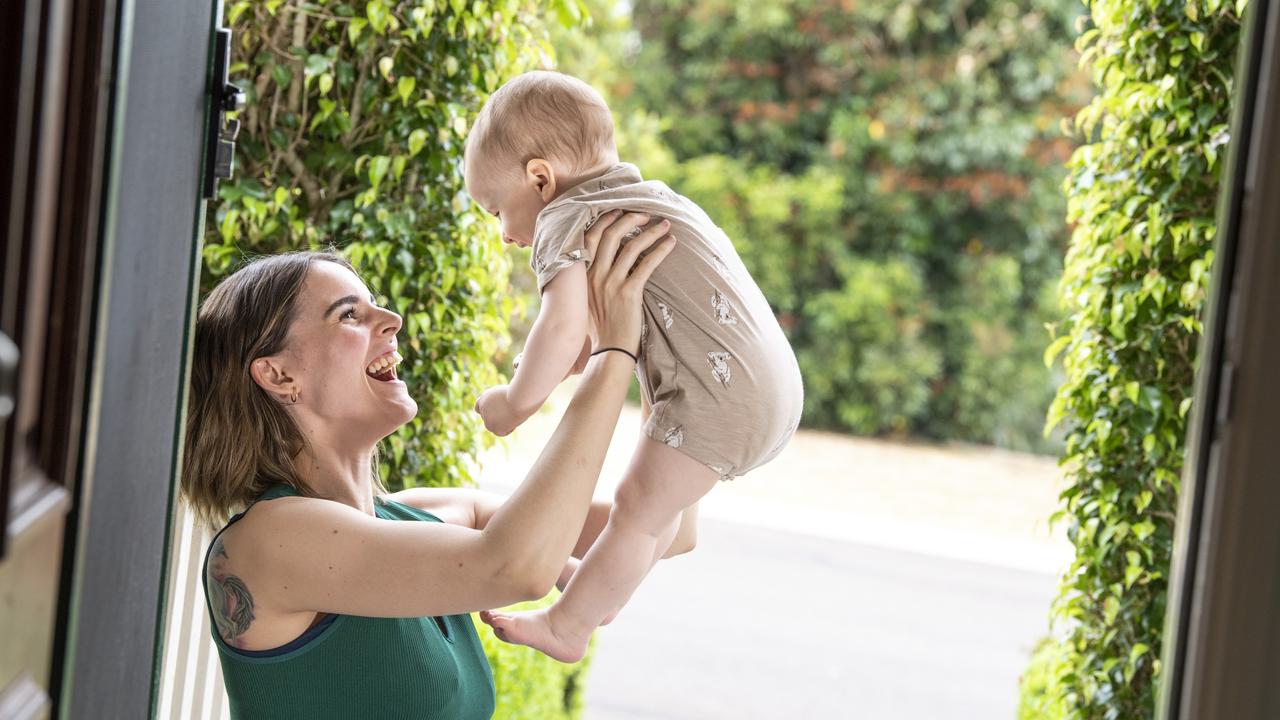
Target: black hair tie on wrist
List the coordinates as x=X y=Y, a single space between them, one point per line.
x=628 y=353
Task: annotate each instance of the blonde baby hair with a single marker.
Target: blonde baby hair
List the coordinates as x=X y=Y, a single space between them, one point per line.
x=542 y=114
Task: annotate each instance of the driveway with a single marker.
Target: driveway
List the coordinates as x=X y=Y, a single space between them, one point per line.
x=850 y=578
x=769 y=624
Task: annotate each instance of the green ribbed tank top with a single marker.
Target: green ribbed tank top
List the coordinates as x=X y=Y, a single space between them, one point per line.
x=361 y=667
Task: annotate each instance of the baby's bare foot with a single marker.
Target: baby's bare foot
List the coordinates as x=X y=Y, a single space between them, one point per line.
x=535 y=629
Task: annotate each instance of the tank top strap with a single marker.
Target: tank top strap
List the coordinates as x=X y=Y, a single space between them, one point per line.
x=274 y=491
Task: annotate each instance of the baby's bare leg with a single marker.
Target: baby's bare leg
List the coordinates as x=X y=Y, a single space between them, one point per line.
x=686 y=536
x=659 y=485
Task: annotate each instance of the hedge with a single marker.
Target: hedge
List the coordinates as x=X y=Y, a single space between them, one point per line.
x=1142 y=195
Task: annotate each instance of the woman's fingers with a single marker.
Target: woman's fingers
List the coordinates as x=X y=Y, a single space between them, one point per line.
x=628 y=255
x=643 y=269
x=612 y=236
x=592 y=238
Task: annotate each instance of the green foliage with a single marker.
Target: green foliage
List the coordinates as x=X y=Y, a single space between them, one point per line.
x=890 y=174
x=353 y=136
x=1041 y=684
x=1142 y=198
x=529 y=685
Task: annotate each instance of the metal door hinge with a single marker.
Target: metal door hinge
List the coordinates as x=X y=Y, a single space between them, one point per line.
x=220 y=147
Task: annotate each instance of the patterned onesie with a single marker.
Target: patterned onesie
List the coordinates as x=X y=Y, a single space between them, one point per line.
x=715 y=366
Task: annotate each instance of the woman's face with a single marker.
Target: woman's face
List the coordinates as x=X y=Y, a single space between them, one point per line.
x=338 y=336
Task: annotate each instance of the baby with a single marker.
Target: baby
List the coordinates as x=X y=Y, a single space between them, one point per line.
x=720 y=385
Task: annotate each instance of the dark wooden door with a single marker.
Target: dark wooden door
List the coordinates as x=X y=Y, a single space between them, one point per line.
x=52 y=141
x=102 y=147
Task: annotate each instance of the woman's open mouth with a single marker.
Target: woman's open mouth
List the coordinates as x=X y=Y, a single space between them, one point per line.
x=384 y=368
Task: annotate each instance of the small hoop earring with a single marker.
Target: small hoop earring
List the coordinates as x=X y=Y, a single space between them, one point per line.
x=293 y=398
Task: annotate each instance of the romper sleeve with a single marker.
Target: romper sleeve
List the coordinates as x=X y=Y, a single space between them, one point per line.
x=558 y=240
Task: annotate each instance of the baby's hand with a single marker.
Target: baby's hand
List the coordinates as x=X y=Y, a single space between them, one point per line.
x=496 y=411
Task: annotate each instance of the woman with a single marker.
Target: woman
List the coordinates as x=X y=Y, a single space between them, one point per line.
x=330 y=598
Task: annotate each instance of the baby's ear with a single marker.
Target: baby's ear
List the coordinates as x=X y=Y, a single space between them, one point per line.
x=540 y=175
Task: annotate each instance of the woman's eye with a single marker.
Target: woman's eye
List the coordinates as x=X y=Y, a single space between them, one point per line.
x=350 y=313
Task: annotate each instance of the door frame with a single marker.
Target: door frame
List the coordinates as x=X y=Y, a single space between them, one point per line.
x=1222 y=629
x=153 y=217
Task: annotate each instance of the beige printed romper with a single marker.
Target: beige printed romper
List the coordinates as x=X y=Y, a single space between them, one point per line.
x=715 y=366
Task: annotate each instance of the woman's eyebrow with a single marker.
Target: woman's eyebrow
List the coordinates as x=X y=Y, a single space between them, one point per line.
x=345 y=300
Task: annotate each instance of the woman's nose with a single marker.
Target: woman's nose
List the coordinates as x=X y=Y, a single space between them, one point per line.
x=393 y=323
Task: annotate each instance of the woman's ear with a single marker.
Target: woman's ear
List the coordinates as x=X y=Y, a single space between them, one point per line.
x=270 y=376
x=539 y=174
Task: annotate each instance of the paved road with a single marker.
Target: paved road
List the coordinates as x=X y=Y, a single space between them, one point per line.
x=763 y=623
x=850 y=579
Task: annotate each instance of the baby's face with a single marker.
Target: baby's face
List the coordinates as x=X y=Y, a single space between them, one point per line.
x=515 y=203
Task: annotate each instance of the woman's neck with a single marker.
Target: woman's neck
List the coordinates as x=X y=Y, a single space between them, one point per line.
x=342 y=475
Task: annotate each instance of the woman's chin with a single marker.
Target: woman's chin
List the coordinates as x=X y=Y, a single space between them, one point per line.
x=405 y=403
x=410 y=410
x=396 y=394
x=391 y=421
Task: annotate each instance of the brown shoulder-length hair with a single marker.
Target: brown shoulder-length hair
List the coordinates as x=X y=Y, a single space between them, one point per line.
x=239 y=439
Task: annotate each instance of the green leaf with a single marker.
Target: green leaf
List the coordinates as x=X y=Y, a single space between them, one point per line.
x=315 y=65
x=237 y=9
x=378 y=166
x=281 y=75
x=1137 y=651
x=385 y=65
x=1131 y=391
x=417 y=138
x=404 y=88
x=378 y=16
x=1143 y=530
x=1055 y=347
x=355 y=27
x=1142 y=501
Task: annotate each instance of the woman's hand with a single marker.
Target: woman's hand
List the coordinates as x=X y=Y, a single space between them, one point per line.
x=618 y=273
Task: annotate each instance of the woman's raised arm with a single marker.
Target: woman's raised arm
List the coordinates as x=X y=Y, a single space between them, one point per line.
x=317 y=555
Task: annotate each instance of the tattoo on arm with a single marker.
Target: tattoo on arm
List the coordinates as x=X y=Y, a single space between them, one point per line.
x=229 y=596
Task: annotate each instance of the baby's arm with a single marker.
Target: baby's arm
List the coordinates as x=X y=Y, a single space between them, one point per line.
x=555 y=343
x=581 y=363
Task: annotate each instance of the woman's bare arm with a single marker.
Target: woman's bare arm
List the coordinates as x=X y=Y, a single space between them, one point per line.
x=472 y=508
x=324 y=556
x=299 y=554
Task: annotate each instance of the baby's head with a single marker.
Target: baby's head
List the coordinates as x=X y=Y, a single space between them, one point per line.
x=538 y=135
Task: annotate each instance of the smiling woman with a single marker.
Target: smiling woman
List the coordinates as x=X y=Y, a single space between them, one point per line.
x=245 y=319
x=329 y=597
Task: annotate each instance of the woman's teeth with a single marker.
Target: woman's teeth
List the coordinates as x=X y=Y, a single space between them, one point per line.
x=384 y=367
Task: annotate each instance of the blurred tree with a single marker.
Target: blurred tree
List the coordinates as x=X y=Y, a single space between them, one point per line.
x=823 y=136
